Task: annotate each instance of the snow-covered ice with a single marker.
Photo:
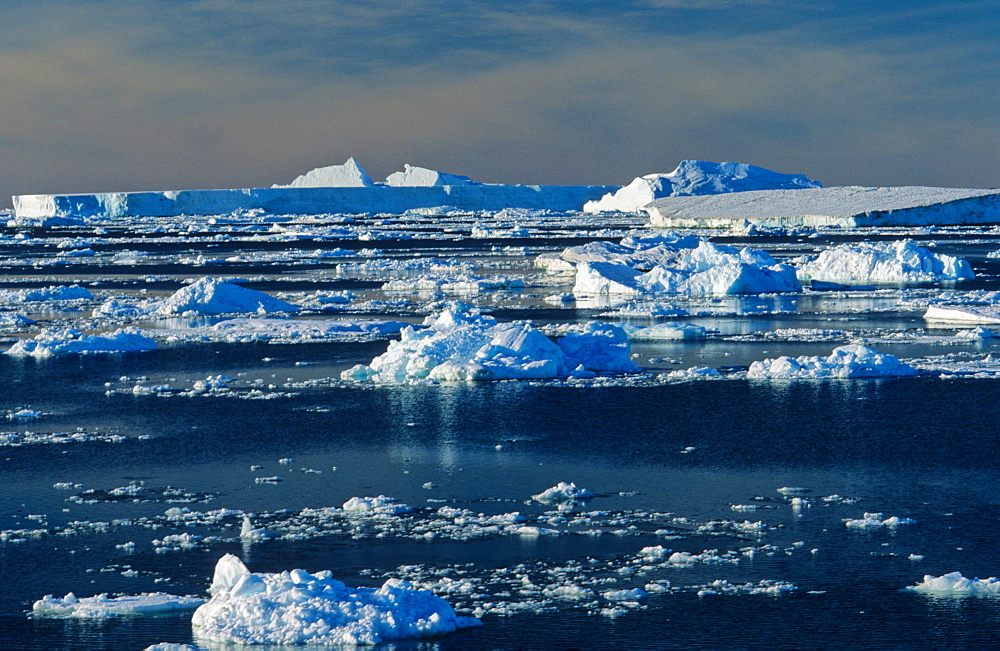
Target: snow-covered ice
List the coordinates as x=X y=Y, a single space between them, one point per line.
x=349 y=174
x=214 y=296
x=963 y=314
x=563 y=492
x=851 y=361
x=297 y=607
x=69 y=341
x=954 y=584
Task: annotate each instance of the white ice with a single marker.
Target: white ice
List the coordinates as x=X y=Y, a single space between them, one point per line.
x=563 y=492
x=350 y=174
x=296 y=607
x=213 y=296
x=956 y=584
x=69 y=341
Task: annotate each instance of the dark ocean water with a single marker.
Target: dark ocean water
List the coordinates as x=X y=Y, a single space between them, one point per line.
x=923 y=448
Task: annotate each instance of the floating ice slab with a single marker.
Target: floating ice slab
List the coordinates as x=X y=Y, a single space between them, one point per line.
x=884 y=262
x=841 y=206
x=297 y=607
x=693 y=177
x=964 y=314
x=457 y=347
x=956 y=584
x=851 y=361
x=213 y=296
x=102 y=606
x=69 y=341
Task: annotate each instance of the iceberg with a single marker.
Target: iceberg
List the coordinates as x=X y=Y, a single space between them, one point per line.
x=296 y=607
x=847 y=206
x=213 y=296
x=342 y=189
x=422 y=177
x=348 y=175
x=694 y=177
x=851 y=361
x=456 y=347
x=884 y=262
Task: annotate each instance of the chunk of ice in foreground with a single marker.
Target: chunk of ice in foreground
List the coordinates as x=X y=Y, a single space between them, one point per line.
x=296 y=607
x=956 y=584
x=101 y=606
x=563 y=492
x=851 y=361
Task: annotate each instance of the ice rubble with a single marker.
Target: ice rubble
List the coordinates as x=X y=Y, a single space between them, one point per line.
x=296 y=607
x=851 y=361
x=956 y=584
x=884 y=262
x=847 y=206
x=693 y=177
x=457 y=346
x=676 y=265
x=102 y=606
x=69 y=341
x=245 y=330
x=877 y=521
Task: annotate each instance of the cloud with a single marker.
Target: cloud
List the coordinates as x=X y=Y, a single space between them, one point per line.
x=151 y=95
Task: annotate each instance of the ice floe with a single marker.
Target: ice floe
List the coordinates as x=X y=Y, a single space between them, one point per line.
x=877 y=521
x=884 y=262
x=297 y=607
x=954 y=584
x=69 y=341
x=850 y=361
x=102 y=606
x=963 y=314
x=213 y=296
x=563 y=492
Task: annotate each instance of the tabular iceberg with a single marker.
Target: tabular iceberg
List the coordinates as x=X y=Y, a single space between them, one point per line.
x=840 y=206
x=694 y=177
x=297 y=607
x=343 y=188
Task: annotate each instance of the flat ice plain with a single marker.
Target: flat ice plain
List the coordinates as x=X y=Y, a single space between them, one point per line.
x=500 y=428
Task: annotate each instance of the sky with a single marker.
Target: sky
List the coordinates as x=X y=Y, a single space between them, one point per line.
x=105 y=95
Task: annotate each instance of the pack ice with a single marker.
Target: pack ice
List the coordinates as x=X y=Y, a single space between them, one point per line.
x=456 y=346
x=851 y=361
x=296 y=607
x=674 y=265
x=695 y=177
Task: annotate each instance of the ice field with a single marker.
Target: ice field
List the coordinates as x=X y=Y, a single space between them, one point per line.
x=517 y=428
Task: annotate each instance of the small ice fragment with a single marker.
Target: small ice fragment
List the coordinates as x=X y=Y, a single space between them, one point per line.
x=794 y=490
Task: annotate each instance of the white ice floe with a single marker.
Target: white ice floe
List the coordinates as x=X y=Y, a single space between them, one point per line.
x=268 y=329
x=956 y=584
x=381 y=504
x=964 y=314
x=102 y=606
x=851 y=361
x=669 y=330
x=877 y=521
x=457 y=346
x=296 y=607
x=69 y=341
x=705 y=269
x=884 y=262
x=976 y=334
x=563 y=492
x=213 y=296
x=694 y=372
x=693 y=177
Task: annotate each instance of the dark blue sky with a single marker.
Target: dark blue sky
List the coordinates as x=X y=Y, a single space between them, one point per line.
x=108 y=95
